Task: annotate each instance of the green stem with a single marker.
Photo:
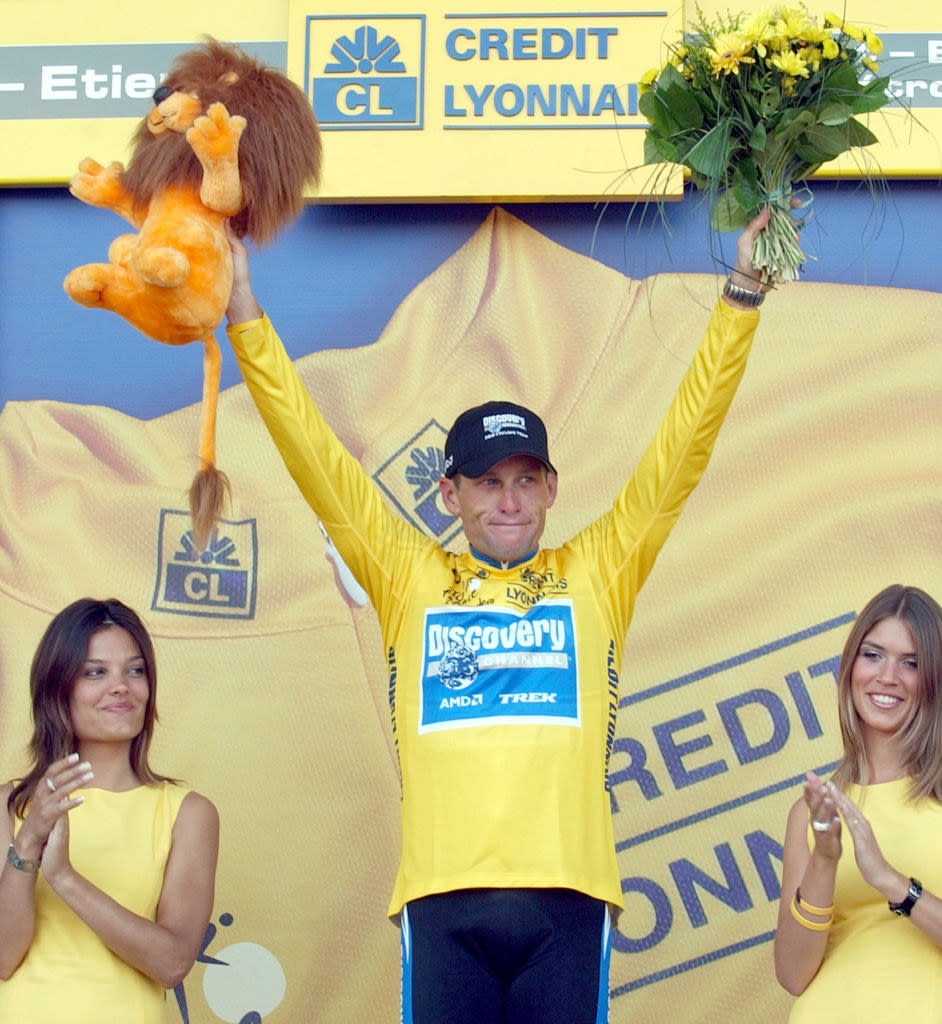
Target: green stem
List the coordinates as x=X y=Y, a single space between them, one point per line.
x=777 y=253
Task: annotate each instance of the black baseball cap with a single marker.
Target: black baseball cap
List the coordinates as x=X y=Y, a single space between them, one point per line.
x=490 y=433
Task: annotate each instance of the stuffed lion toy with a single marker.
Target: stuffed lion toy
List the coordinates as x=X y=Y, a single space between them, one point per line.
x=228 y=139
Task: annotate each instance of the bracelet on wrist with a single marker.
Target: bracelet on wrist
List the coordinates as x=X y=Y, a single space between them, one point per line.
x=905 y=906
x=28 y=867
x=743 y=295
x=805 y=905
x=812 y=926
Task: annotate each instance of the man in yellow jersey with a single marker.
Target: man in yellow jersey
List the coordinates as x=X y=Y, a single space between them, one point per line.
x=503 y=666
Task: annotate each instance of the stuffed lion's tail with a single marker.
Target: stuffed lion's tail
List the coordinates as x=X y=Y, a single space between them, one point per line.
x=210 y=486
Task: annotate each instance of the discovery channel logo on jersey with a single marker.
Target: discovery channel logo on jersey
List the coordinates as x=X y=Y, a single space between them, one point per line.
x=366 y=72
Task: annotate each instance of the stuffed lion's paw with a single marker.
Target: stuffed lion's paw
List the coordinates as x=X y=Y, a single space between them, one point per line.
x=99 y=186
x=214 y=138
x=215 y=134
x=86 y=285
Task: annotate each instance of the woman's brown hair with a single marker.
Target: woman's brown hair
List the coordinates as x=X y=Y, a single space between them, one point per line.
x=58 y=660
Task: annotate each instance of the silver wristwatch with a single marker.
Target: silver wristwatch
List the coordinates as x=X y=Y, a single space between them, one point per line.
x=29 y=866
x=743 y=295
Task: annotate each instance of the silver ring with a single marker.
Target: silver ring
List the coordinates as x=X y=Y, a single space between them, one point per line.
x=50 y=784
x=820 y=826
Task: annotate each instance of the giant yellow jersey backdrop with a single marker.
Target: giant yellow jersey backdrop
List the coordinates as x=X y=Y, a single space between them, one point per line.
x=824 y=488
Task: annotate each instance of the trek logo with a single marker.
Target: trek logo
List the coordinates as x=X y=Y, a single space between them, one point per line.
x=508 y=666
x=220 y=581
x=366 y=72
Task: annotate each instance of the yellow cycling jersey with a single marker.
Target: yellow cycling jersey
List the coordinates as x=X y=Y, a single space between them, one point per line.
x=503 y=682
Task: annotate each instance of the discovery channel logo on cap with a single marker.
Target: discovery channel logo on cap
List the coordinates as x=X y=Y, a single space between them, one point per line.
x=366 y=72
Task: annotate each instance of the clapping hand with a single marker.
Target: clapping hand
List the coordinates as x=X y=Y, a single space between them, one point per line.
x=870 y=860
x=823 y=815
x=49 y=804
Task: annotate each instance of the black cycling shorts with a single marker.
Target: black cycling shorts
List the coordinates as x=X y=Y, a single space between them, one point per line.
x=505 y=956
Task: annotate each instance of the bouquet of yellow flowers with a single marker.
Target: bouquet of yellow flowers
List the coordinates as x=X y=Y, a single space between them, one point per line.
x=752 y=104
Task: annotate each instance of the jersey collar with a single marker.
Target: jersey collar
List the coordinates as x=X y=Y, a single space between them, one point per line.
x=494 y=564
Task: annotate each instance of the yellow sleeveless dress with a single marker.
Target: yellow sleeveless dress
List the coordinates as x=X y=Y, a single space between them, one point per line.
x=120 y=842
x=880 y=968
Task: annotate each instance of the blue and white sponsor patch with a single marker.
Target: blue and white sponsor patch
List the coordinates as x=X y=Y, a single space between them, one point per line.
x=489 y=666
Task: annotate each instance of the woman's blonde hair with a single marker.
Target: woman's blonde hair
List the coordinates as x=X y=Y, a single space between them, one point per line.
x=921 y=733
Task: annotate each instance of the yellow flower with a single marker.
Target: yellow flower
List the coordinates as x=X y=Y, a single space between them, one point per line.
x=759 y=31
x=793 y=24
x=793 y=14
x=811 y=55
x=830 y=49
x=790 y=64
x=729 y=50
x=871 y=64
x=646 y=84
x=816 y=34
x=788 y=86
x=756 y=24
x=874 y=43
x=838 y=22
x=677 y=57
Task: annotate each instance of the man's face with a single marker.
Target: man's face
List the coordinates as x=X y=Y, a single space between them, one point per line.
x=503 y=512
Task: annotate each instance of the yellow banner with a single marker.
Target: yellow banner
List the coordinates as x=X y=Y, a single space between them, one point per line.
x=431 y=106
x=512 y=101
x=508 y=102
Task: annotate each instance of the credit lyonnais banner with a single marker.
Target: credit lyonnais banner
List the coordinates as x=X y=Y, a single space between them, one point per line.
x=520 y=101
x=526 y=100
x=429 y=104
x=437 y=103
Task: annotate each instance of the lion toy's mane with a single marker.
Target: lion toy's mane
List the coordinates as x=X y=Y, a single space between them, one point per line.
x=279 y=155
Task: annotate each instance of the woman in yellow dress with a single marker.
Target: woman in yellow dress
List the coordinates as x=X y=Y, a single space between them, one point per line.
x=108 y=881
x=859 y=933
